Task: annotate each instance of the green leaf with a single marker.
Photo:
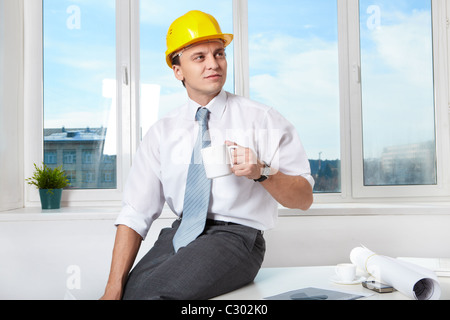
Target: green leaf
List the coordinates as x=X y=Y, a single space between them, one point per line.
x=47 y=178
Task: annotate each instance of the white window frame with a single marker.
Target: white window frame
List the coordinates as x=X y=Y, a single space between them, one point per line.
x=352 y=179
x=128 y=51
x=127 y=97
x=440 y=49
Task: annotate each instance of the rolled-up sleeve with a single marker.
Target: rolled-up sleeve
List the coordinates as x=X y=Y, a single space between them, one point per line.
x=143 y=197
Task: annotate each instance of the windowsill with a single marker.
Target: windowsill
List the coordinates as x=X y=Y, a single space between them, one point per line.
x=65 y=213
x=367 y=209
x=320 y=209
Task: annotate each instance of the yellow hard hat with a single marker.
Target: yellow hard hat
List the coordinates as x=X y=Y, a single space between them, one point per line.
x=194 y=26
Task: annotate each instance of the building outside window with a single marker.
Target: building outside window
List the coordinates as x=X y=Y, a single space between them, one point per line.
x=71 y=146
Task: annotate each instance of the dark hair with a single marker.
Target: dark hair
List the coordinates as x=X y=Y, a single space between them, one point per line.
x=176 y=62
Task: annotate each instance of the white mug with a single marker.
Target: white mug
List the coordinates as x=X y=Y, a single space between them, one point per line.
x=218 y=160
x=346 y=272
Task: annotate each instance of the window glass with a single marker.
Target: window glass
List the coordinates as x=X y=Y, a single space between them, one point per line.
x=294 y=67
x=160 y=91
x=397 y=92
x=79 y=90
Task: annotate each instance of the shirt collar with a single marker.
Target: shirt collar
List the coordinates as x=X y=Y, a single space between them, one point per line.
x=216 y=106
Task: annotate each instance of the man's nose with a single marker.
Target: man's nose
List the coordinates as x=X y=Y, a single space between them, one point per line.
x=211 y=62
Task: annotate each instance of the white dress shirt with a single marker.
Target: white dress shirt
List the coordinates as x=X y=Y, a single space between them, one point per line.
x=159 y=171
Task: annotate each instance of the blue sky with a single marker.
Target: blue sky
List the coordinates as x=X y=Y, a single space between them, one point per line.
x=293 y=64
x=77 y=57
x=397 y=73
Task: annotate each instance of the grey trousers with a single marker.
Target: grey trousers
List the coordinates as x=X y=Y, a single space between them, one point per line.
x=223 y=258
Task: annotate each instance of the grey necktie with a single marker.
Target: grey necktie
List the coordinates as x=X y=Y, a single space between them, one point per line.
x=198 y=189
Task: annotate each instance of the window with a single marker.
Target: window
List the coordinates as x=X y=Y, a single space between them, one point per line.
x=107 y=176
x=88 y=156
x=88 y=177
x=69 y=157
x=79 y=85
x=294 y=67
x=397 y=92
x=365 y=82
x=50 y=157
x=71 y=176
x=398 y=99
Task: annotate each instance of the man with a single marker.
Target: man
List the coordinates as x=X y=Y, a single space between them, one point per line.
x=270 y=166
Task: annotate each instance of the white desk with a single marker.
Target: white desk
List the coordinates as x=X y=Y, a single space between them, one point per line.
x=274 y=281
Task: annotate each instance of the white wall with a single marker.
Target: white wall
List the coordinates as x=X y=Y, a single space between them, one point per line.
x=59 y=258
x=328 y=240
x=11 y=104
x=44 y=258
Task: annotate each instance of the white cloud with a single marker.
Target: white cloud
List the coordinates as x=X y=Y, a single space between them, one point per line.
x=154 y=13
x=300 y=79
x=158 y=13
x=406 y=46
x=398 y=84
x=77 y=119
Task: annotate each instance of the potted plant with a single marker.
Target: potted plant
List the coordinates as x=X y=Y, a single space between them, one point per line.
x=50 y=183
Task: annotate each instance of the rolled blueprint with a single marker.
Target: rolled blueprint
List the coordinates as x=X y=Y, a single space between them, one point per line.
x=410 y=279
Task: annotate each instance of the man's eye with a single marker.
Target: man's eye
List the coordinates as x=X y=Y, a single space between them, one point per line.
x=221 y=54
x=199 y=58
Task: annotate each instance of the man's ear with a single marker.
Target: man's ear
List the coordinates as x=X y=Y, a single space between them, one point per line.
x=178 y=72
